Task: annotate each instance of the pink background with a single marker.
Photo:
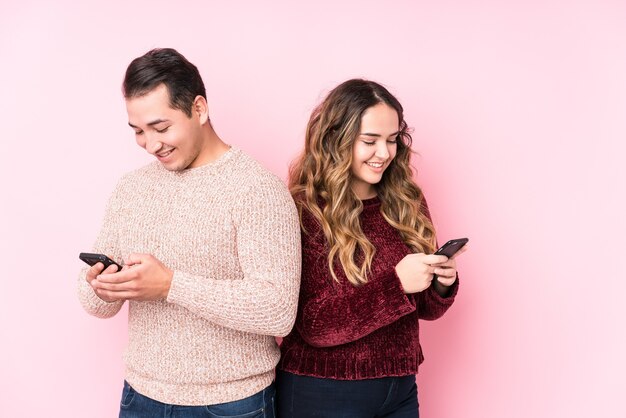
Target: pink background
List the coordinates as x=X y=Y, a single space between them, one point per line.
x=519 y=110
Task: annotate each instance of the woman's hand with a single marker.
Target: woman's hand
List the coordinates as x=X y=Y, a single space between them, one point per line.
x=416 y=271
x=446 y=273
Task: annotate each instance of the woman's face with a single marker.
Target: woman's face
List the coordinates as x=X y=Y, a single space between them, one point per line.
x=374 y=148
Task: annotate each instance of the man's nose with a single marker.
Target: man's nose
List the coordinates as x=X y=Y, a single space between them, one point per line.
x=153 y=145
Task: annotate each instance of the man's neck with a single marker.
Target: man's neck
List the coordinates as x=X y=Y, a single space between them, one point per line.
x=213 y=147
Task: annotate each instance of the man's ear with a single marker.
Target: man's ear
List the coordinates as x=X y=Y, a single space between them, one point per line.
x=200 y=108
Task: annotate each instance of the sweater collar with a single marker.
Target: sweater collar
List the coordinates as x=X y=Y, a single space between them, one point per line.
x=210 y=168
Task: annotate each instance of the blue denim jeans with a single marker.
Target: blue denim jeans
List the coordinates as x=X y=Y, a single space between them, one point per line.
x=305 y=396
x=259 y=405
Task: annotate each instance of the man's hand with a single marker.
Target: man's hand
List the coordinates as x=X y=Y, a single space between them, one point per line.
x=96 y=270
x=142 y=278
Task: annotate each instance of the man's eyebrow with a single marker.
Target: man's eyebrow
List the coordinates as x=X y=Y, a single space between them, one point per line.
x=154 y=122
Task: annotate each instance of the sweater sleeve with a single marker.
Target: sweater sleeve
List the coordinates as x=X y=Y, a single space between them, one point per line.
x=106 y=243
x=334 y=313
x=431 y=306
x=265 y=300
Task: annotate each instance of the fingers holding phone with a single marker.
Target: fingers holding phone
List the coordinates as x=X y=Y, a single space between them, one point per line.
x=143 y=278
x=98 y=268
x=92 y=278
x=415 y=271
x=100 y=264
x=445 y=273
x=102 y=261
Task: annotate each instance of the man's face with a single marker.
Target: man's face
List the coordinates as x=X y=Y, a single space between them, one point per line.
x=169 y=134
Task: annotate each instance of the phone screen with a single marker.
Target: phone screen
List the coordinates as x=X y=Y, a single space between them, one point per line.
x=93 y=258
x=451 y=247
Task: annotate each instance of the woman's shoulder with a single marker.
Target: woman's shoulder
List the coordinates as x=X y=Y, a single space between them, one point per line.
x=310 y=222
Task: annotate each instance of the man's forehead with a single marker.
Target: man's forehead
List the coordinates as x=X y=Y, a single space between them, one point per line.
x=159 y=91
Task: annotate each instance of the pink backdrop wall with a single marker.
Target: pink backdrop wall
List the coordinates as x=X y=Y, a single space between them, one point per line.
x=519 y=110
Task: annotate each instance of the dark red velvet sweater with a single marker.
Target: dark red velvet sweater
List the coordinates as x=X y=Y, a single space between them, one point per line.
x=347 y=332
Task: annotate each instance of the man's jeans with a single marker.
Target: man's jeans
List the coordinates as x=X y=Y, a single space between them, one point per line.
x=259 y=405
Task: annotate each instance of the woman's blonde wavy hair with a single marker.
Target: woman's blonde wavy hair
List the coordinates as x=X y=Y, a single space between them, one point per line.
x=320 y=180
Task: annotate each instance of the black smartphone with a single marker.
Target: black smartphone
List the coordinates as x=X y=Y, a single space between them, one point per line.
x=91 y=259
x=451 y=247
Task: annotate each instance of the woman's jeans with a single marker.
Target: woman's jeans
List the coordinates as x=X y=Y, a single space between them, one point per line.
x=259 y=405
x=305 y=396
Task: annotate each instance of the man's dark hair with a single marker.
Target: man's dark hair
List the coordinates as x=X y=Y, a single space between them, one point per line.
x=164 y=66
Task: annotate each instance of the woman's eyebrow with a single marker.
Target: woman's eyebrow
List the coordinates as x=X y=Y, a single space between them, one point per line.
x=378 y=135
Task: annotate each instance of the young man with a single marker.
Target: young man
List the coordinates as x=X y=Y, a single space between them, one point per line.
x=211 y=246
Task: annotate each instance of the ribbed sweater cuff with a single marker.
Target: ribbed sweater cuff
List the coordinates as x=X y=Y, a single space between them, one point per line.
x=179 y=288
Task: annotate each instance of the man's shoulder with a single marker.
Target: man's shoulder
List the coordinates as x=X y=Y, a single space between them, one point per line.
x=251 y=172
x=141 y=173
x=258 y=187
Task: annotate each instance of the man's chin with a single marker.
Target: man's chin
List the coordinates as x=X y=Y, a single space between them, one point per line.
x=173 y=166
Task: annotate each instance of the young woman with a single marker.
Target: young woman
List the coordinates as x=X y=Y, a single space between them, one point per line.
x=368 y=270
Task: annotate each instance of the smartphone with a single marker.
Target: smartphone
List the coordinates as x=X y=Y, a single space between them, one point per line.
x=91 y=259
x=451 y=247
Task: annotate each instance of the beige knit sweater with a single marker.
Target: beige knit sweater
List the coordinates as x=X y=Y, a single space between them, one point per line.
x=230 y=232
